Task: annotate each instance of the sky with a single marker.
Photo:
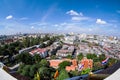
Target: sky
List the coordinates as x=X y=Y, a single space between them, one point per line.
x=60 y=16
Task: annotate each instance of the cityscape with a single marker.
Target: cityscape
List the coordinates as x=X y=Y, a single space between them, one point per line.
x=70 y=40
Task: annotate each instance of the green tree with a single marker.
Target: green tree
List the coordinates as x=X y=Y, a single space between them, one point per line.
x=35 y=41
x=112 y=61
x=6 y=46
x=20 y=68
x=5 y=52
x=96 y=59
x=33 y=71
x=86 y=71
x=63 y=75
x=37 y=58
x=17 y=49
x=44 y=63
x=26 y=70
x=63 y=64
x=46 y=38
x=25 y=58
x=26 y=42
x=91 y=56
x=53 y=57
x=97 y=66
x=44 y=73
x=31 y=41
x=102 y=57
x=80 y=56
x=69 y=56
x=11 y=49
x=74 y=73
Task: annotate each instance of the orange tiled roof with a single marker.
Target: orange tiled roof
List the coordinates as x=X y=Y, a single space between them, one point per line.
x=70 y=68
x=55 y=63
x=88 y=63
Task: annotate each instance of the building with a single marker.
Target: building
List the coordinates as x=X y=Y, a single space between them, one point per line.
x=55 y=63
x=87 y=63
x=4 y=75
x=83 y=48
x=69 y=39
x=28 y=49
x=53 y=48
x=42 y=52
x=65 y=51
x=72 y=67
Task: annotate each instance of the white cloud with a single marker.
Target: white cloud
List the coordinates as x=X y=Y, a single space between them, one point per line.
x=80 y=18
x=13 y=27
x=72 y=12
x=9 y=17
x=77 y=16
x=99 y=21
x=62 y=24
x=56 y=25
x=90 y=29
x=32 y=27
x=81 y=14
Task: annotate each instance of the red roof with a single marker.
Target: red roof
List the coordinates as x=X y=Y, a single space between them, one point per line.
x=39 y=50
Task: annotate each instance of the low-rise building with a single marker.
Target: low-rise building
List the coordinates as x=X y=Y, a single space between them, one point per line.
x=87 y=63
x=55 y=63
x=65 y=51
x=42 y=52
x=72 y=67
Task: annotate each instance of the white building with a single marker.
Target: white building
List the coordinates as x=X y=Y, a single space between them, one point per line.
x=4 y=75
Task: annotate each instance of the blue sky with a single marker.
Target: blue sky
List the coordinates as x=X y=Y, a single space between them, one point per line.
x=60 y=16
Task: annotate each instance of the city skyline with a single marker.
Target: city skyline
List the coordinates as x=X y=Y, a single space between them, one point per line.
x=60 y=16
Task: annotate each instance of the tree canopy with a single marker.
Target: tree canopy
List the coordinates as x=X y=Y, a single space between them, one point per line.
x=102 y=57
x=44 y=63
x=63 y=64
x=63 y=75
x=37 y=58
x=25 y=58
x=69 y=56
x=80 y=56
x=44 y=73
x=91 y=56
